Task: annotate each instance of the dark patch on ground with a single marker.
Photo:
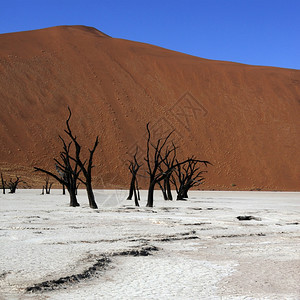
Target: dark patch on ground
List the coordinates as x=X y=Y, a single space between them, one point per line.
x=179 y=237
x=169 y=208
x=238 y=235
x=196 y=224
x=100 y=265
x=50 y=285
x=4 y=274
x=143 y=240
x=77 y=227
x=200 y=208
x=88 y=242
x=213 y=228
x=145 y=251
x=135 y=208
x=248 y=218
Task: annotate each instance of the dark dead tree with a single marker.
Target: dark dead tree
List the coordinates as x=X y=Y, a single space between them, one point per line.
x=13 y=185
x=86 y=170
x=157 y=153
x=3 y=183
x=163 y=190
x=77 y=187
x=168 y=167
x=63 y=189
x=134 y=167
x=187 y=175
x=68 y=172
x=48 y=185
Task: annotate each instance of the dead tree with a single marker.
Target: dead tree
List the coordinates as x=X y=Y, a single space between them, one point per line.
x=77 y=187
x=47 y=186
x=134 y=167
x=64 y=189
x=187 y=175
x=3 y=183
x=168 y=168
x=13 y=184
x=68 y=172
x=161 y=163
x=165 y=187
x=86 y=170
x=72 y=165
x=156 y=155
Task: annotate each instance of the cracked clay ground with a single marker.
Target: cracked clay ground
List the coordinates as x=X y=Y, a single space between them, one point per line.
x=194 y=249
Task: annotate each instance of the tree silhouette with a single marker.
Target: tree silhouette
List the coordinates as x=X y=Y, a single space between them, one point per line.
x=134 y=167
x=187 y=175
x=13 y=184
x=167 y=168
x=156 y=155
x=70 y=167
x=68 y=172
x=86 y=170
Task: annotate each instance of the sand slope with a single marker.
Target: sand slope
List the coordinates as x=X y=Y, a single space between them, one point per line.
x=244 y=119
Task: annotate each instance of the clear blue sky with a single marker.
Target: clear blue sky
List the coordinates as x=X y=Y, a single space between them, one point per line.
x=258 y=32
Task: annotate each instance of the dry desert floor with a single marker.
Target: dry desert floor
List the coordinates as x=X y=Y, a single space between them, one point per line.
x=195 y=249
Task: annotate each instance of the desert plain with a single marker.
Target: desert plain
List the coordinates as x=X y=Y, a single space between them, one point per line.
x=195 y=249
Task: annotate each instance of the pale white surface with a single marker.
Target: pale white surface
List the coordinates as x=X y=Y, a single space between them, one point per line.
x=42 y=238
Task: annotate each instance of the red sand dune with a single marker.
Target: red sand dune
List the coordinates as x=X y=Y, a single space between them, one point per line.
x=244 y=119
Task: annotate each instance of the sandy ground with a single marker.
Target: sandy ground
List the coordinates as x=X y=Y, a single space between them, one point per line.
x=194 y=249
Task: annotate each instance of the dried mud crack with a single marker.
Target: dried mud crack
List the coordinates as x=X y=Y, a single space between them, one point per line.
x=100 y=266
x=239 y=235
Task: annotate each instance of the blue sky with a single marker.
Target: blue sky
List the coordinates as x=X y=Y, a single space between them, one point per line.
x=258 y=32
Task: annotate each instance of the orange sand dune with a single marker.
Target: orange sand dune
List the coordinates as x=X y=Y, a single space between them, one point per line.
x=244 y=119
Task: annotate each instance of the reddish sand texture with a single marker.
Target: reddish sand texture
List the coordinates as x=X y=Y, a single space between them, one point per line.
x=244 y=119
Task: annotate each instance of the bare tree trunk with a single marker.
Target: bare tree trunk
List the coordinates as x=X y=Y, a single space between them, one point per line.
x=76 y=189
x=182 y=194
x=3 y=184
x=91 y=196
x=163 y=191
x=150 y=194
x=132 y=187
x=48 y=189
x=168 y=188
x=73 y=198
x=47 y=186
x=13 y=185
x=185 y=194
x=136 y=200
x=138 y=190
x=64 y=189
x=134 y=167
